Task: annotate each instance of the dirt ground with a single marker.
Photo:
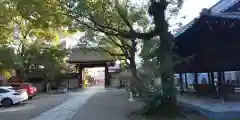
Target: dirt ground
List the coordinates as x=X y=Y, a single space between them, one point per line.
x=187 y=115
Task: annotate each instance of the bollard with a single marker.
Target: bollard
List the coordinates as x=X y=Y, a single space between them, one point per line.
x=130 y=97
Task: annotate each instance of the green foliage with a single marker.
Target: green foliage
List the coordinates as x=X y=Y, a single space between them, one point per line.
x=109 y=24
x=53 y=60
x=121 y=19
x=113 y=46
x=153 y=101
x=38 y=17
x=33 y=28
x=9 y=60
x=106 y=16
x=41 y=13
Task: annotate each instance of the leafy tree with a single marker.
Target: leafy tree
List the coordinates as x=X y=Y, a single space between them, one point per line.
x=9 y=60
x=150 y=61
x=53 y=60
x=30 y=40
x=117 y=47
x=26 y=25
x=41 y=13
x=119 y=19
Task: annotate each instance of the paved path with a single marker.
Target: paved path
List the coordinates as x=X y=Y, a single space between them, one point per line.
x=111 y=104
x=95 y=103
x=66 y=110
x=215 y=109
x=32 y=108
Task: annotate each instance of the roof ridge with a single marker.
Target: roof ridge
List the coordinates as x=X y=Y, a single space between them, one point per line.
x=214 y=10
x=223 y=5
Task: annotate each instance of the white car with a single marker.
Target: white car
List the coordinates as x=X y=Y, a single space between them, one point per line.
x=10 y=96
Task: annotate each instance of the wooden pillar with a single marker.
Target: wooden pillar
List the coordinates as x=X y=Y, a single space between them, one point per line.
x=220 y=78
x=209 y=86
x=213 y=87
x=76 y=68
x=196 y=86
x=212 y=78
x=224 y=88
x=68 y=82
x=80 y=75
x=223 y=77
x=220 y=84
x=181 y=84
x=209 y=78
x=186 y=82
x=107 y=81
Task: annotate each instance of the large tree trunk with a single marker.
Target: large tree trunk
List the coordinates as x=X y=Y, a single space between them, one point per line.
x=169 y=88
x=133 y=66
x=135 y=81
x=168 y=78
x=157 y=10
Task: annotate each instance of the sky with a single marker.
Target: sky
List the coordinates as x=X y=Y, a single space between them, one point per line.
x=191 y=10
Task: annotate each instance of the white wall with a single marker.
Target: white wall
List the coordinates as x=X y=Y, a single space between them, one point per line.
x=97 y=73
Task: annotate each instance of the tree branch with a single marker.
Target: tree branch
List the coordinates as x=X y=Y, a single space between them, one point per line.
x=123 y=17
x=110 y=53
x=114 y=32
x=108 y=28
x=125 y=48
x=124 y=43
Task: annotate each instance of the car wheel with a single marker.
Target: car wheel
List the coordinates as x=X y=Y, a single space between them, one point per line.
x=30 y=97
x=6 y=102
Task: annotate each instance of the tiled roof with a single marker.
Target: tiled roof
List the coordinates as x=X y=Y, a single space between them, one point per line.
x=81 y=55
x=184 y=28
x=223 y=5
x=228 y=15
x=216 y=10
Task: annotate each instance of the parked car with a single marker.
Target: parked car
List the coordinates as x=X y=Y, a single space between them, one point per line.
x=10 y=96
x=30 y=89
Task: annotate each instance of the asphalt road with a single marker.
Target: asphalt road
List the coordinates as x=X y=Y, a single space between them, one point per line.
x=33 y=108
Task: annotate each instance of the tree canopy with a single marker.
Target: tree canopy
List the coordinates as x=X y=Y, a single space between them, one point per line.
x=118 y=24
x=30 y=31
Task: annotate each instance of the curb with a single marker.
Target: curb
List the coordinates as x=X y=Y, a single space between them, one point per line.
x=229 y=115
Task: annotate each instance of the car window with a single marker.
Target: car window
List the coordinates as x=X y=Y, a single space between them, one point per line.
x=3 y=90
x=25 y=85
x=28 y=84
x=13 y=88
x=15 y=85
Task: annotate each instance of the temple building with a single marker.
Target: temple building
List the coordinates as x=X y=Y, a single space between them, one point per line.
x=89 y=58
x=211 y=44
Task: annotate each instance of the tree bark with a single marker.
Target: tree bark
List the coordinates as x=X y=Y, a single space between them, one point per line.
x=133 y=66
x=166 y=38
x=157 y=10
x=135 y=81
